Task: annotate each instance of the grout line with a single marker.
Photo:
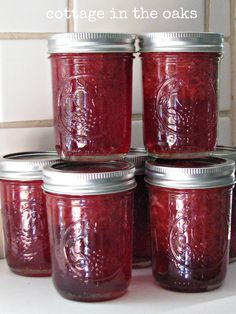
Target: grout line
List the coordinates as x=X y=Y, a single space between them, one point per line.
x=21 y=36
x=224 y=113
x=42 y=123
x=70 y=21
x=207 y=16
x=137 y=117
x=26 y=124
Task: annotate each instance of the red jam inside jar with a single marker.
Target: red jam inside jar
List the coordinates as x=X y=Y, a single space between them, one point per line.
x=24 y=213
x=232 y=251
x=180 y=90
x=230 y=152
x=92 y=97
x=141 y=230
x=25 y=228
x=190 y=232
x=141 y=227
x=90 y=233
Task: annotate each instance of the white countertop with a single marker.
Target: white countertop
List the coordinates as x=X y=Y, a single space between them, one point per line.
x=25 y=295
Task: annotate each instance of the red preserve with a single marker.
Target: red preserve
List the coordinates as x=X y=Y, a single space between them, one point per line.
x=92 y=94
x=190 y=203
x=90 y=210
x=230 y=152
x=24 y=212
x=180 y=86
x=141 y=228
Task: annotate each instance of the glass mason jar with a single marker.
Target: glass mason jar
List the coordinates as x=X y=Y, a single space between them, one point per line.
x=24 y=214
x=141 y=227
x=1 y=238
x=190 y=204
x=230 y=152
x=90 y=211
x=92 y=94
x=180 y=86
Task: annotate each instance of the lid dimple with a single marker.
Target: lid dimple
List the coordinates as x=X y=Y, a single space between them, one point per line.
x=91 y=42
x=181 y=42
x=87 y=179
x=26 y=166
x=199 y=173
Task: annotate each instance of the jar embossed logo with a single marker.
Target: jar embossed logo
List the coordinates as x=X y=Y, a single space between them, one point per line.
x=180 y=105
x=76 y=105
x=83 y=260
x=192 y=248
x=29 y=228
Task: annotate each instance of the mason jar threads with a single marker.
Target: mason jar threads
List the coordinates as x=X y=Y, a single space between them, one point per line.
x=90 y=211
x=230 y=152
x=141 y=227
x=23 y=206
x=92 y=94
x=190 y=204
x=180 y=87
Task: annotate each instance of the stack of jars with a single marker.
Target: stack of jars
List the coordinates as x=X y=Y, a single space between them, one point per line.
x=190 y=192
x=230 y=153
x=89 y=193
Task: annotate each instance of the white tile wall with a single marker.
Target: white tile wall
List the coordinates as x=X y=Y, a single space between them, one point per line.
x=224 y=132
x=137 y=134
x=140 y=25
x=137 y=86
x=220 y=16
x=31 y=16
x=225 y=80
x=26 y=139
x=25 y=81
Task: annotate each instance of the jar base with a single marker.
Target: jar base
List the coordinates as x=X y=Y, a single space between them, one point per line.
x=187 y=287
x=95 y=298
x=31 y=272
x=180 y=155
x=92 y=159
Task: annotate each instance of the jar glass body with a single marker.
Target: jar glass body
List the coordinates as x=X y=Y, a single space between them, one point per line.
x=92 y=96
x=25 y=228
x=2 y=254
x=232 y=249
x=142 y=231
x=190 y=237
x=180 y=103
x=91 y=244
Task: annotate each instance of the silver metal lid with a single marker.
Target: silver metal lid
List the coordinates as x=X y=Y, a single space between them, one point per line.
x=89 y=179
x=26 y=166
x=91 y=42
x=181 y=42
x=196 y=174
x=225 y=152
x=137 y=156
